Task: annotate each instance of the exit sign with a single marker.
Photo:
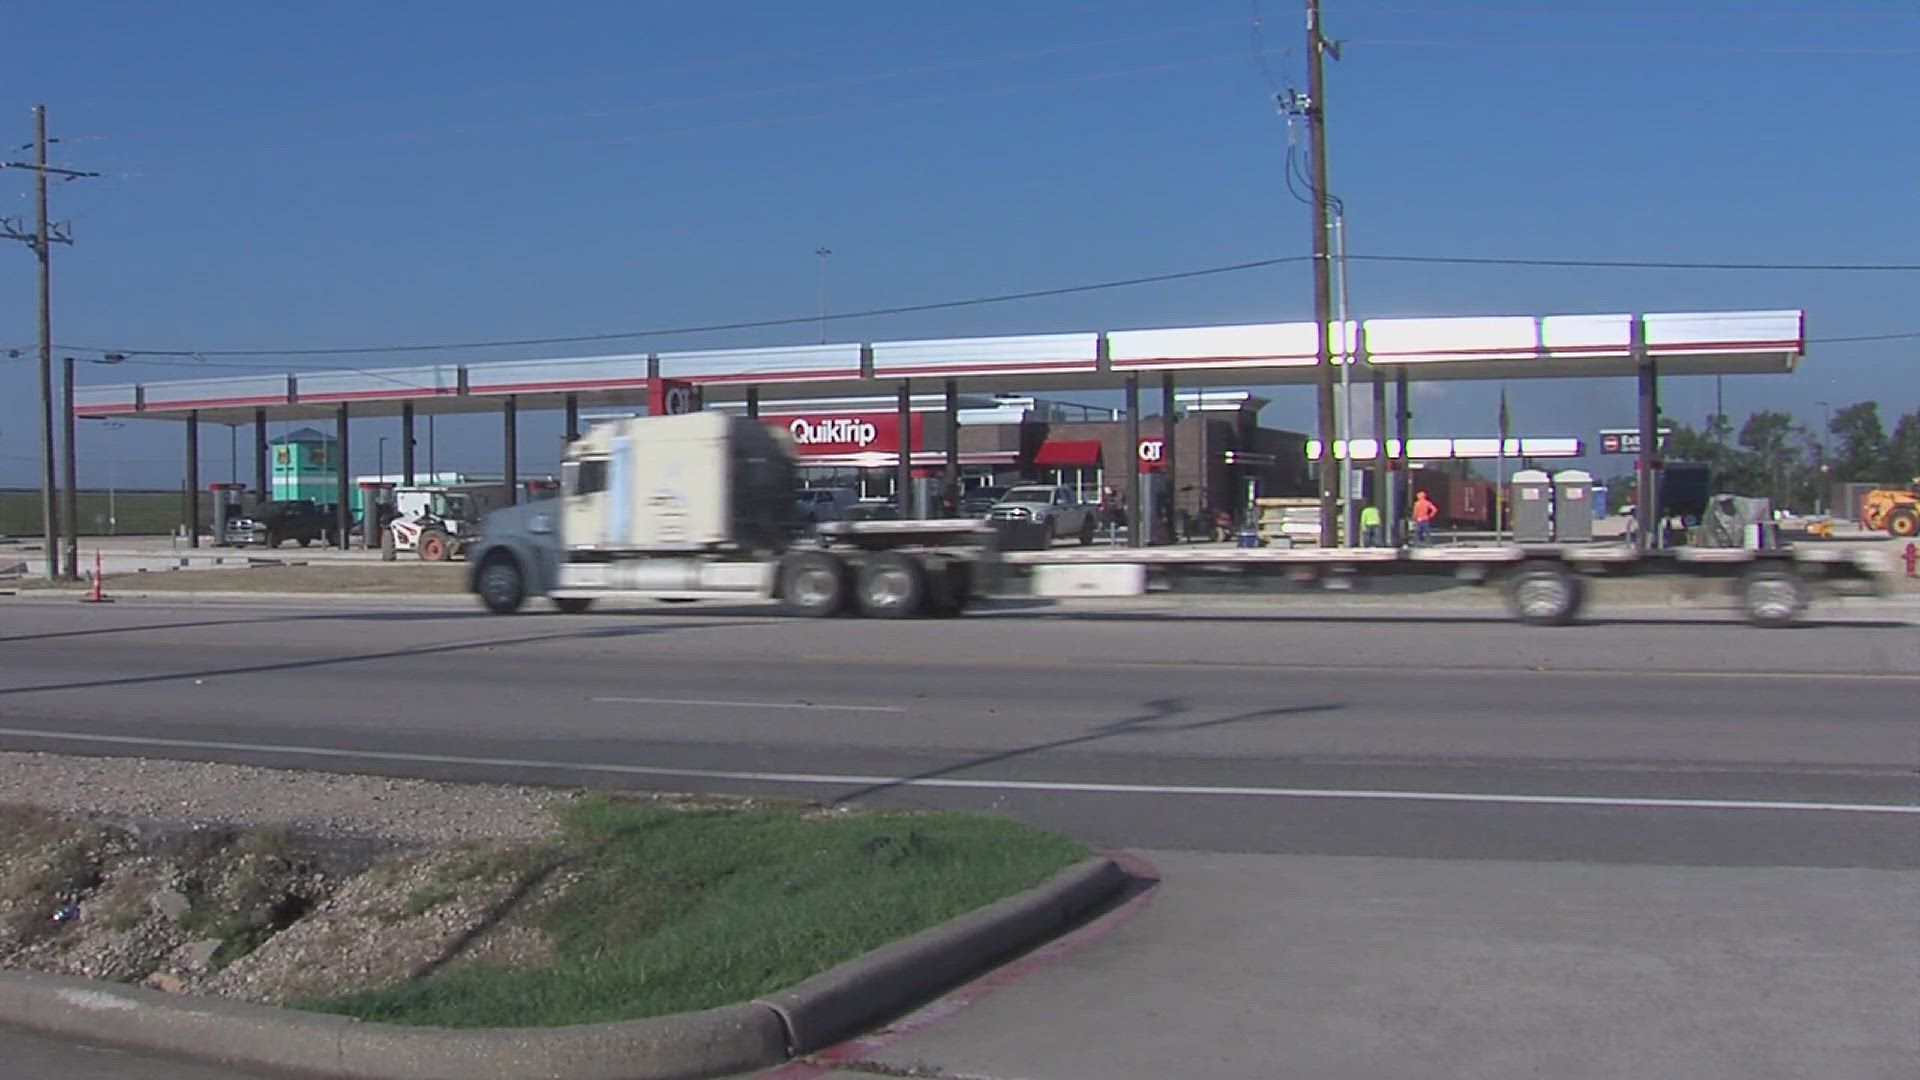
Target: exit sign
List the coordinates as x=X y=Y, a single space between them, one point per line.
x=1627 y=440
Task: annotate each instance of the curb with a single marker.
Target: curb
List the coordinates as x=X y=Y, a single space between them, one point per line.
x=852 y=997
x=731 y=1039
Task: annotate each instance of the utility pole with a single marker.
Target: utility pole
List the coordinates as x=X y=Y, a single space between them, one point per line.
x=1316 y=112
x=41 y=239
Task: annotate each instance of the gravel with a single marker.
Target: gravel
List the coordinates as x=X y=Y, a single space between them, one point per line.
x=406 y=811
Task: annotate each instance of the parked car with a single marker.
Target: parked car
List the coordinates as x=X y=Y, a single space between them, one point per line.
x=1062 y=511
x=979 y=502
x=826 y=504
x=873 y=510
x=273 y=523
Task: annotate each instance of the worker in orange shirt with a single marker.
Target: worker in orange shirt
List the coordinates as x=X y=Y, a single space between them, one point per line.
x=1424 y=511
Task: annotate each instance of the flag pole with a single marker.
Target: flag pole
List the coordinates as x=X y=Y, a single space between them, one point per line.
x=1500 y=475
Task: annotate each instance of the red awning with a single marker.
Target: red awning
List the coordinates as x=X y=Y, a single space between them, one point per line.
x=1068 y=453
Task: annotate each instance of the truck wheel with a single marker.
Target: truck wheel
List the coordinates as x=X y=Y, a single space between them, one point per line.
x=501 y=586
x=433 y=546
x=893 y=586
x=304 y=541
x=1545 y=594
x=1773 y=597
x=814 y=584
x=1086 y=533
x=1903 y=522
x=573 y=605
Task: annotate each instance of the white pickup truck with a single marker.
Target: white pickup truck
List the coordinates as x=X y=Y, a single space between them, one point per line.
x=1056 y=505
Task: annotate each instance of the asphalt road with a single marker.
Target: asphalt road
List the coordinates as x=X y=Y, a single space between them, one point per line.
x=1433 y=741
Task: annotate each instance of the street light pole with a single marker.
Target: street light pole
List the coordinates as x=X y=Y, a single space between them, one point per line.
x=1346 y=376
x=113 y=511
x=823 y=252
x=70 y=542
x=1826 y=425
x=70 y=561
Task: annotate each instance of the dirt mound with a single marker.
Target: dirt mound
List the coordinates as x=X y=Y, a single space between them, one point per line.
x=255 y=914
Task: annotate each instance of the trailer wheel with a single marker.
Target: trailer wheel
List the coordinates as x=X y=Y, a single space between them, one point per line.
x=572 y=605
x=501 y=586
x=1903 y=521
x=814 y=584
x=1773 y=597
x=433 y=546
x=1545 y=594
x=893 y=586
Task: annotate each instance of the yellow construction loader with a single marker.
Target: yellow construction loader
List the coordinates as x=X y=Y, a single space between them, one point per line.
x=1896 y=510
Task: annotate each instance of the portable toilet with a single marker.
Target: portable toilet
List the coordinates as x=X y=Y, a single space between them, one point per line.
x=1532 y=506
x=1572 y=506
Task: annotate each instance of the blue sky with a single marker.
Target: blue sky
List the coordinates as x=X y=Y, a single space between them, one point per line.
x=295 y=175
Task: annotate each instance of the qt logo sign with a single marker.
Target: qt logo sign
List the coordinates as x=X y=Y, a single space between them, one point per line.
x=678 y=400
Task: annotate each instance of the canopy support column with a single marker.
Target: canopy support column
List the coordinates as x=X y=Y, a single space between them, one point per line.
x=343 y=478
x=1133 y=461
x=262 y=481
x=903 y=477
x=406 y=443
x=190 y=512
x=510 y=422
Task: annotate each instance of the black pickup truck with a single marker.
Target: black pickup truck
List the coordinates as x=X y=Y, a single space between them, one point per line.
x=273 y=523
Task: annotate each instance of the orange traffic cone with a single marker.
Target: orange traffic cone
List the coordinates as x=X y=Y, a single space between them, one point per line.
x=96 y=596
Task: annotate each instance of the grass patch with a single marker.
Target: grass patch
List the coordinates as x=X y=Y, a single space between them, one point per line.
x=674 y=910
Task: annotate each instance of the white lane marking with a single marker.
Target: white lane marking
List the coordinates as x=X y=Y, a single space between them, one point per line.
x=855 y=780
x=751 y=704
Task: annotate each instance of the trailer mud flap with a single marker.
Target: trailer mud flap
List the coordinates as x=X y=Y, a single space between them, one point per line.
x=1095 y=579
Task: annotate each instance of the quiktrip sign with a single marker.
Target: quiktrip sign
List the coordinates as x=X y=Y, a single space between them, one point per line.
x=852 y=433
x=1151 y=454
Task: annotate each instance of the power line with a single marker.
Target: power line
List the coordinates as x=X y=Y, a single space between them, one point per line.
x=1670 y=11
x=714 y=327
x=134 y=354
x=1904 y=336
x=1644 y=264
x=1637 y=46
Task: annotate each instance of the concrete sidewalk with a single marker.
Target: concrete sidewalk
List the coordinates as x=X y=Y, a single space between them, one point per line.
x=1398 y=969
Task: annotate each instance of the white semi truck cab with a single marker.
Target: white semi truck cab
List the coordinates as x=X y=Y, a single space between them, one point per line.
x=705 y=506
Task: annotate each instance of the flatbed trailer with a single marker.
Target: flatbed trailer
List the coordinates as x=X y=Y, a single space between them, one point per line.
x=704 y=506
x=1545 y=584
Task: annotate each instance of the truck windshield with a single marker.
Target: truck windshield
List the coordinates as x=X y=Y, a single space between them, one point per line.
x=1029 y=495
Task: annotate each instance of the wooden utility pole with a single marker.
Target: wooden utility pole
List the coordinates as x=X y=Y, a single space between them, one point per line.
x=1316 y=113
x=40 y=239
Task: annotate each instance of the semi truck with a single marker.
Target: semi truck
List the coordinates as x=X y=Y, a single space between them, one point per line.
x=703 y=506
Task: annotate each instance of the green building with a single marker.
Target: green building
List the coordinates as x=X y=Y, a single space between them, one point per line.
x=306 y=465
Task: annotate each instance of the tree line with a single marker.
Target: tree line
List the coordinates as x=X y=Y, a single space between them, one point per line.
x=1775 y=456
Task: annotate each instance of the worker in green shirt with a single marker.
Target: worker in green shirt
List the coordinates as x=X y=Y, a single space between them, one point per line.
x=1370 y=526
